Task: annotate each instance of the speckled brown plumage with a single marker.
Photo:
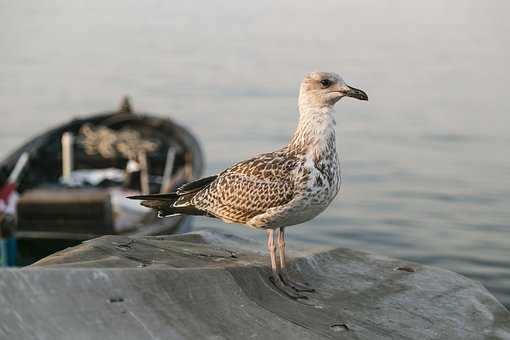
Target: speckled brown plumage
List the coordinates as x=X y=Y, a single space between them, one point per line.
x=249 y=188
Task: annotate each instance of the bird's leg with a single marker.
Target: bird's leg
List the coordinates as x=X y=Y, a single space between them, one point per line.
x=284 y=276
x=275 y=278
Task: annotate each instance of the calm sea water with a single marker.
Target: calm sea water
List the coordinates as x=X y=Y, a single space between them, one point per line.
x=426 y=162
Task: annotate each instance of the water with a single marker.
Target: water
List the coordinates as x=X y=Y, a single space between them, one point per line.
x=426 y=166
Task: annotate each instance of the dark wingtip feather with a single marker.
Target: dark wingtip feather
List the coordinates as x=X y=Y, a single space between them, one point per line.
x=154 y=197
x=136 y=197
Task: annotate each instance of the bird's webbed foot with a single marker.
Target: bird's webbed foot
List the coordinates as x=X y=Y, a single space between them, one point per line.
x=295 y=285
x=286 y=289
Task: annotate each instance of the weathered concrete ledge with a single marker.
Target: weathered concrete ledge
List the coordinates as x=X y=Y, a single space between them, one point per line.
x=207 y=285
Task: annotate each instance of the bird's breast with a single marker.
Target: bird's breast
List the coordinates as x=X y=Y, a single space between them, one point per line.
x=320 y=181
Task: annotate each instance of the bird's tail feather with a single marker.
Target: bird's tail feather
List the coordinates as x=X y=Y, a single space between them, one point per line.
x=179 y=202
x=165 y=204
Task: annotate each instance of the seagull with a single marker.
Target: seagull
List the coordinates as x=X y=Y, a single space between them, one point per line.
x=275 y=190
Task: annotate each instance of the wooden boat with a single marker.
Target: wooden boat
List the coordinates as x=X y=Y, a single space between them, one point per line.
x=74 y=185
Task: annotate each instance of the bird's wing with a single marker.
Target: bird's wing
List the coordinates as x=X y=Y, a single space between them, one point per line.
x=249 y=188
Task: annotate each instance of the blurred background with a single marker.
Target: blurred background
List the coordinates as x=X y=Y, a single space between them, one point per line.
x=426 y=166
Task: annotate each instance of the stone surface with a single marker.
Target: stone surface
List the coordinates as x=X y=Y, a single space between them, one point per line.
x=207 y=285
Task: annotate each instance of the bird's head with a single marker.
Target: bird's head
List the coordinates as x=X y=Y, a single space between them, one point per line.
x=324 y=89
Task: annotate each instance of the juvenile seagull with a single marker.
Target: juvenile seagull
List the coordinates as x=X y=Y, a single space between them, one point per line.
x=278 y=189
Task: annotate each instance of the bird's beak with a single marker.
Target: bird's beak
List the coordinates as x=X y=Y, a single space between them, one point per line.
x=355 y=93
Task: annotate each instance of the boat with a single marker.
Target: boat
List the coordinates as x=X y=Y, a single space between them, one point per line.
x=74 y=184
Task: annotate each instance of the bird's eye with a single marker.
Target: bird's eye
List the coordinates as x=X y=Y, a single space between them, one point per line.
x=325 y=82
